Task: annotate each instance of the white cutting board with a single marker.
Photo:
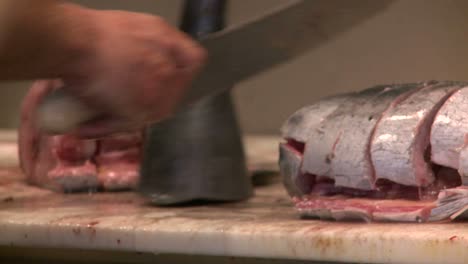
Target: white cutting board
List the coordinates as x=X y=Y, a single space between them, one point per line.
x=266 y=226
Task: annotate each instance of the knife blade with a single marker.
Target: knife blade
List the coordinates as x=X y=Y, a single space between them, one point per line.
x=237 y=53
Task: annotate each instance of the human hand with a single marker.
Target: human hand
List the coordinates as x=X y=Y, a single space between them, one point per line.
x=134 y=69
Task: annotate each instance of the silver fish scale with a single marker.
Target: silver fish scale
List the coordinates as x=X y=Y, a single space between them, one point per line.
x=404 y=128
x=299 y=124
x=351 y=165
x=321 y=140
x=448 y=130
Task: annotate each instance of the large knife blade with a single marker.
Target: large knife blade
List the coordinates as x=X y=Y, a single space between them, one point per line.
x=236 y=53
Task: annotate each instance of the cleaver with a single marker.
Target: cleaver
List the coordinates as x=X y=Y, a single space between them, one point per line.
x=279 y=35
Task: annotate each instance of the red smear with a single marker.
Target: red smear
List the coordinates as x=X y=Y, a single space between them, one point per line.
x=296 y=145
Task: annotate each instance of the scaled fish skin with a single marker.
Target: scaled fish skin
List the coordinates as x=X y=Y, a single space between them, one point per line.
x=356 y=171
x=322 y=139
x=403 y=135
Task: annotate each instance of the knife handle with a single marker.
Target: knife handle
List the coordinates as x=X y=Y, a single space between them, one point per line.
x=60 y=112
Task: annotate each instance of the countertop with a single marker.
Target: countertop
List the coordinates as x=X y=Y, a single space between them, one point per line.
x=264 y=227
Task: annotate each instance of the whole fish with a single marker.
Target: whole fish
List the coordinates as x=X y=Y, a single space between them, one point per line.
x=396 y=152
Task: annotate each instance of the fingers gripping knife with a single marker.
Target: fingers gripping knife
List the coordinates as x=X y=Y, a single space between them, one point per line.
x=186 y=144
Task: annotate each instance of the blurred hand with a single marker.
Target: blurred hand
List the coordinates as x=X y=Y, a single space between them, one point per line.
x=135 y=70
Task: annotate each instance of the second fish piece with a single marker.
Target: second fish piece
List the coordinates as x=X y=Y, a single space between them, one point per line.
x=351 y=165
x=401 y=140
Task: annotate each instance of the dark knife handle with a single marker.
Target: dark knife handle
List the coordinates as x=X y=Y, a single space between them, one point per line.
x=198 y=154
x=202 y=17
